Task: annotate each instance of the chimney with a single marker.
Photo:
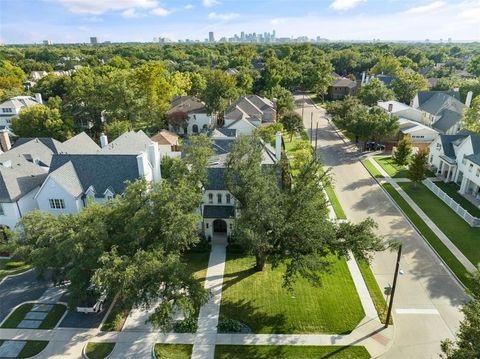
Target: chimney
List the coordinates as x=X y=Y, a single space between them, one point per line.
x=468 y=100
x=154 y=159
x=144 y=169
x=278 y=146
x=38 y=98
x=5 y=140
x=363 y=77
x=103 y=140
x=390 y=107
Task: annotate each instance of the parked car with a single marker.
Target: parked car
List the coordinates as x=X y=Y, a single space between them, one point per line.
x=373 y=146
x=94 y=301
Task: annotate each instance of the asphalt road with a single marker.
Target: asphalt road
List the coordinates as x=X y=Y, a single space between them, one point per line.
x=428 y=298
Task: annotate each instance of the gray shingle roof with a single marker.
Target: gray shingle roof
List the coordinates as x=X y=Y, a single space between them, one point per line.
x=439 y=102
x=129 y=143
x=424 y=96
x=54 y=145
x=19 y=179
x=447 y=143
x=447 y=120
x=188 y=104
x=67 y=177
x=81 y=143
x=344 y=82
x=474 y=158
x=216 y=179
x=218 y=212
x=100 y=170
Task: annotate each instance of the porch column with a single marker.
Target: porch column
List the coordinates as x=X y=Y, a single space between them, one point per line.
x=448 y=173
x=463 y=186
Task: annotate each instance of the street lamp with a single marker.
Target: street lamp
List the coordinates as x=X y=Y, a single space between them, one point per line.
x=392 y=291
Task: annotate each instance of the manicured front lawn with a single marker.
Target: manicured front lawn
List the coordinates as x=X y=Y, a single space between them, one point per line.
x=289 y=352
x=466 y=238
x=33 y=347
x=451 y=189
x=452 y=262
x=337 y=207
x=53 y=316
x=17 y=316
x=375 y=292
x=49 y=322
x=372 y=169
x=173 y=351
x=99 y=350
x=258 y=299
x=391 y=167
x=8 y=267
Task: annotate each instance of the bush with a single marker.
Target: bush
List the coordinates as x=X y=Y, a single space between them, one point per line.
x=13 y=265
x=232 y=326
x=202 y=246
x=188 y=325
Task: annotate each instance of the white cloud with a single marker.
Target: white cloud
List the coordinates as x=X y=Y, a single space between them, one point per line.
x=129 y=13
x=160 y=11
x=426 y=8
x=276 y=21
x=98 y=7
x=345 y=4
x=224 y=17
x=210 y=3
x=188 y=7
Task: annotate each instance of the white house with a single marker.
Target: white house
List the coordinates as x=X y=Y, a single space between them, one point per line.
x=248 y=113
x=12 y=107
x=456 y=158
x=401 y=110
x=188 y=115
x=418 y=132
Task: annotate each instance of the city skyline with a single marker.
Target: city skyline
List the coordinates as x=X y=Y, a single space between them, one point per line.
x=75 y=21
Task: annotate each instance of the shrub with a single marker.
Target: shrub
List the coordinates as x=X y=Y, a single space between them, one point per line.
x=188 y=325
x=13 y=265
x=232 y=326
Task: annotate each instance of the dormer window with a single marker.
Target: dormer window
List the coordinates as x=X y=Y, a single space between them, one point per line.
x=108 y=194
x=90 y=193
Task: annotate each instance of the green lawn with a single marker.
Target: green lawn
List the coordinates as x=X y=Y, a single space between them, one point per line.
x=8 y=267
x=451 y=189
x=457 y=230
x=375 y=292
x=372 y=169
x=33 y=347
x=289 y=352
x=98 y=350
x=173 y=351
x=391 y=167
x=49 y=322
x=452 y=262
x=337 y=207
x=258 y=300
x=116 y=318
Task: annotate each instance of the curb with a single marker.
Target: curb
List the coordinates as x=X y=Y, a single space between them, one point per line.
x=84 y=353
x=14 y=275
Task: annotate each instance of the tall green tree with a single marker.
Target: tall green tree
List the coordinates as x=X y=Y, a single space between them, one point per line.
x=115 y=129
x=387 y=65
x=219 y=91
x=474 y=66
x=418 y=167
x=403 y=152
x=292 y=122
x=471 y=116
x=41 y=121
x=407 y=84
x=375 y=91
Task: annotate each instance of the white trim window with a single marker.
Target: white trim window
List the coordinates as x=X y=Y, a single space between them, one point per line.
x=2 y=212
x=56 y=203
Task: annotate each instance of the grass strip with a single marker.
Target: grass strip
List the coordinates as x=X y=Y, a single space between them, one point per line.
x=337 y=207
x=33 y=347
x=17 y=316
x=290 y=352
x=372 y=169
x=173 y=351
x=99 y=350
x=53 y=316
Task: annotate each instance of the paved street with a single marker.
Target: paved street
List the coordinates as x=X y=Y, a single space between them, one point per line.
x=428 y=297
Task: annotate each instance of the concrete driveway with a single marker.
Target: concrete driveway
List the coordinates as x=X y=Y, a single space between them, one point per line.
x=18 y=289
x=428 y=298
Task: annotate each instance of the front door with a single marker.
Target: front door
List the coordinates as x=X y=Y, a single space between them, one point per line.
x=219 y=226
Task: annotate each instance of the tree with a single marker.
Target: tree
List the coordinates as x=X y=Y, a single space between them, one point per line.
x=474 y=66
x=375 y=91
x=418 y=167
x=387 y=65
x=467 y=342
x=289 y=225
x=407 y=84
x=267 y=133
x=317 y=77
x=292 y=122
x=41 y=121
x=116 y=128
x=471 y=117
x=284 y=99
x=403 y=152
x=220 y=89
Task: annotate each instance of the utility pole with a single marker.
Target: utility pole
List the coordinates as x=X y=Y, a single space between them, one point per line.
x=311 y=124
x=392 y=294
x=316 y=139
x=303 y=105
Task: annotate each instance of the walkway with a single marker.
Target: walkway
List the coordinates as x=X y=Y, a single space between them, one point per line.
x=438 y=232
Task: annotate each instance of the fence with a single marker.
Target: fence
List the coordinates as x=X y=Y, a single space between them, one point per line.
x=459 y=210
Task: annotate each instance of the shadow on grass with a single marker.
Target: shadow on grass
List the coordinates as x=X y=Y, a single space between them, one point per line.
x=230 y=279
x=253 y=317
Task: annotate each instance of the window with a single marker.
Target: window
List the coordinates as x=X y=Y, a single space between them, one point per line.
x=478 y=172
x=228 y=198
x=57 y=203
x=219 y=198
x=210 y=198
x=206 y=225
x=2 y=213
x=7 y=110
x=194 y=117
x=470 y=168
x=195 y=129
x=464 y=161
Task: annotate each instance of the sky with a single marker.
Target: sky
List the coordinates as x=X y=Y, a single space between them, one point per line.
x=75 y=21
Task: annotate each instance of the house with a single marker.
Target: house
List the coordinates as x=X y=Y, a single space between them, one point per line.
x=37 y=75
x=232 y=71
x=443 y=109
x=456 y=158
x=342 y=87
x=188 y=115
x=248 y=113
x=420 y=134
x=219 y=206
x=75 y=179
x=24 y=168
x=12 y=107
x=401 y=110
x=166 y=140
x=386 y=79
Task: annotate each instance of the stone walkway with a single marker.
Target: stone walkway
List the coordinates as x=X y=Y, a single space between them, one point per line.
x=438 y=232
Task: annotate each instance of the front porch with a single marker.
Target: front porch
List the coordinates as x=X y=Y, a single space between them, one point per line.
x=471 y=191
x=447 y=169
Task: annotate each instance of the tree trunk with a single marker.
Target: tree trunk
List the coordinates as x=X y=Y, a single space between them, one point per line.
x=260 y=261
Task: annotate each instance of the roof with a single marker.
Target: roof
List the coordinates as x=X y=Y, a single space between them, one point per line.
x=475 y=158
x=216 y=179
x=54 y=145
x=67 y=177
x=344 y=82
x=165 y=137
x=440 y=101
x=223 y=132
x=218 y=211
x=81 y=143
x=129 y=143
x=424 y=96
x=386 y=79
x=409 y=126
x=250 y=107
x=20 y=102
x=396 y=106
x=102 y=171
x=447 y=120
x=188 y=104
x=231 y=71
x=447 y=143
x=19 y=178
